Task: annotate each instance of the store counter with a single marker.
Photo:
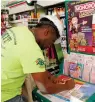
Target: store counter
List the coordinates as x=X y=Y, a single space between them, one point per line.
x=83 y=92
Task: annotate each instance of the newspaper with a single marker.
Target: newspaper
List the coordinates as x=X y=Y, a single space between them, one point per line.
x=82 y=91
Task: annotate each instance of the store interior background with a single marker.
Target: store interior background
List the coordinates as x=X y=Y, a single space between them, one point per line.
x=58 y=57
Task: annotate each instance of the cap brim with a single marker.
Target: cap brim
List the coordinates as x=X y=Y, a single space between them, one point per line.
x=58 y=41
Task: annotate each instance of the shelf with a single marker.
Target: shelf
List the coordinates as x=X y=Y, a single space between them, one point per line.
x=51 y=3
x=23 y=20
x=62 y=16
x=19 y=21
x=51 y=67
x=8 y=27
x=20 y=8
x=63 y=36
x=53 y=72
x=33 y=20
x=25 y=7
x=32 y=25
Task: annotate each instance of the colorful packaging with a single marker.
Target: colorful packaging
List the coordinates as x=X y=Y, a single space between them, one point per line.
x=76 y=70
x=80 y=26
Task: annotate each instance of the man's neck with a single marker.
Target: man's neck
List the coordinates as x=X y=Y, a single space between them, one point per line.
x=33 y=30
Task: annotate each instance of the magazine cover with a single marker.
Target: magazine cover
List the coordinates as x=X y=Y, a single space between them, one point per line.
x=80 y=26
x=76 y=70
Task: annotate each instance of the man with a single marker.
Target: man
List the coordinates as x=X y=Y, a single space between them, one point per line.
x=21 y=55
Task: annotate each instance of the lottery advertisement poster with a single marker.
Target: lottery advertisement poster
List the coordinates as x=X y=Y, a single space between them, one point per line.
x=81 y=26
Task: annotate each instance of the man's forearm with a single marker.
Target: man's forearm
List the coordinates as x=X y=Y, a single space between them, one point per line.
x=51 y=88
x=54 y=86
x=51 y=84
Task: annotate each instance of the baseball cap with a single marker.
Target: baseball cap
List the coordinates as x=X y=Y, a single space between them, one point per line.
x=56 y=23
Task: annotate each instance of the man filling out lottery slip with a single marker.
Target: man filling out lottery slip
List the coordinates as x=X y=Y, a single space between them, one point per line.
x=22 y=55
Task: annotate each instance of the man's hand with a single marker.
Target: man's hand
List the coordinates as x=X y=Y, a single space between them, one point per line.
x=51 y=84
x=68 y=81
x=70 y=84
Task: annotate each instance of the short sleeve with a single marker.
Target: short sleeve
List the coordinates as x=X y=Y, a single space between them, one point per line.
x=32 y=61
x=31 y=56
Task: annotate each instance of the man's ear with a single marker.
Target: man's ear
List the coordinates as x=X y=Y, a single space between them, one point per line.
x=46 y=32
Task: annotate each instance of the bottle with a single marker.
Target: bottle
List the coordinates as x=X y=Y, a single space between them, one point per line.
x=14 y=17
x=38 y=15
x=54 y=11
x=6 y=16
x=32 y=15
x=49 y=12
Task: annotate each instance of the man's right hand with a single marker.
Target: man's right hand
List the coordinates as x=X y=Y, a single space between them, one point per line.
x=70 y=84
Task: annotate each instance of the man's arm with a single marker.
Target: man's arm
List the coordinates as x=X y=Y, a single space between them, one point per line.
x=50 y=85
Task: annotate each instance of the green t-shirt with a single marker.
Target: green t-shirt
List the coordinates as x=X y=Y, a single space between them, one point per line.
x=20 y=55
